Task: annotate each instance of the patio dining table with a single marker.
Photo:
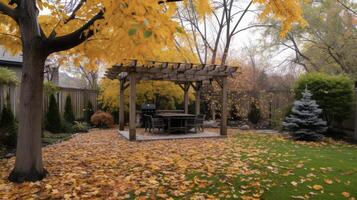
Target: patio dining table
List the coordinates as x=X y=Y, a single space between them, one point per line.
x=176 y=121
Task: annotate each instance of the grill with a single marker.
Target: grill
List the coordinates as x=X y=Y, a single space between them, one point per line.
x=147 y=109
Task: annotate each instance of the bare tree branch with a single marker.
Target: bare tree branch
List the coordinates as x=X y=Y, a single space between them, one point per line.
x=347 y=7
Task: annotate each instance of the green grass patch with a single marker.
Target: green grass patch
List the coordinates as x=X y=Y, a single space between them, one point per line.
x=278 y=168
x=51 y=138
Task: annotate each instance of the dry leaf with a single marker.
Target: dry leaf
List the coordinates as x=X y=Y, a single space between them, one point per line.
x=294 y=183
x=346 y=194
x=317 y=187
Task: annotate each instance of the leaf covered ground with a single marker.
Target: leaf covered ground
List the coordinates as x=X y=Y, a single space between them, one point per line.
x=101 y=165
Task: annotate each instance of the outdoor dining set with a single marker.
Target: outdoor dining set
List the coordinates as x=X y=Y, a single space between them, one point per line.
x=170 y=121
x=173 y=123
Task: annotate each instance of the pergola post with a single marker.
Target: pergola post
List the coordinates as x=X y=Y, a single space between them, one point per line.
x=197 y=97
x=355 y=130
x=224 y=106
x=132 y=106
x=186 y=99
x=121 y=105
x=213 y=111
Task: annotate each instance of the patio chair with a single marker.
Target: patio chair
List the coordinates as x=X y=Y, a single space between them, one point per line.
x=156 y=122
x=199 y=122
x=147 y=122
x=191 y=124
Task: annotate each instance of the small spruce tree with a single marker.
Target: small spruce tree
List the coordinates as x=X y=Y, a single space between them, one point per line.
x=53 y=118
x=8 y=126
x=304 y=122
x=68 y=111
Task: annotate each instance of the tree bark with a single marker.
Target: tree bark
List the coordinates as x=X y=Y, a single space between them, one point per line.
x=28 y=164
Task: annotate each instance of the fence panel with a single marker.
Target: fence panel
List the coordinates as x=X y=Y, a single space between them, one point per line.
x=79 y=97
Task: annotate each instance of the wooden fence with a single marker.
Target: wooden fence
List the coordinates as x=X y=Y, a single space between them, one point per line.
x=79 y=97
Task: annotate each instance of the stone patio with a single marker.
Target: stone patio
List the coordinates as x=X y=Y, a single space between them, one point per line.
x=142 y=135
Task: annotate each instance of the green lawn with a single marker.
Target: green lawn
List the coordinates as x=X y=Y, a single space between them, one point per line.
x=284 y=169
x=51 y=138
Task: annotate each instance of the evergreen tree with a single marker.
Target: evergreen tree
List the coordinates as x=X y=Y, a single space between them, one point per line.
x=234 y=113
x=254 y=113
x=53 y=118
x=8 y=126
x=304 y=122
x=88 y=111
x=68 y=111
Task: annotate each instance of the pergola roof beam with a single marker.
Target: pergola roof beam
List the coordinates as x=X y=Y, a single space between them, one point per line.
x=152 y=70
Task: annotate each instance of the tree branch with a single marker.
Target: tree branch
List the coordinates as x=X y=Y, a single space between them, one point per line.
x=74 y=12
x=75 y=38
x=160 y=2
x=6 y=10
x=347 y=7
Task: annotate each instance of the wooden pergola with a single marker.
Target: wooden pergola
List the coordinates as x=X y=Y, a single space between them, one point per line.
x=186 y=75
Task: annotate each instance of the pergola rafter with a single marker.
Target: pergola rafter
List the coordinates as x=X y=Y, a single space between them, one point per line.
x=184 y=74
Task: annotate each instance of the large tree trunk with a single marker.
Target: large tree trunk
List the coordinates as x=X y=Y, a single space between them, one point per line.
x=28 y=165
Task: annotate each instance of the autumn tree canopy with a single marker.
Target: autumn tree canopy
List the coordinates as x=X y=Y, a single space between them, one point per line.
x=125 y=28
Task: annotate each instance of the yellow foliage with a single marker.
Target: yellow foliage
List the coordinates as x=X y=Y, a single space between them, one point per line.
x=109 y=94
x=163 y=93
x=130 y=28
x=287 y=11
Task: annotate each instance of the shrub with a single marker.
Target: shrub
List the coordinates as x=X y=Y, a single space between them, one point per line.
x=333 y=93
x=8 y=128
x=88 y=112
x=102 y=119
x=80 y=127
x=53 y=119
x=304 y=122
x=234 y=113
x=278 y=116
x=68 y=115
x=50 y=88
x=67 y=127
x=254 y=114
x=7 y=77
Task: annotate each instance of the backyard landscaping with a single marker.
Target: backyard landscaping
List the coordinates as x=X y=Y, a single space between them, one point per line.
x=245 y=165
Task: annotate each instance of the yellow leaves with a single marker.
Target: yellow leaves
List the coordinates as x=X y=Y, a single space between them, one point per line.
x=147 y=91
x=48 y=186
x=109 y=94
x=203 y=8
x=287 y=11
x=101 y=165
x=164 y=196
x=317 y=187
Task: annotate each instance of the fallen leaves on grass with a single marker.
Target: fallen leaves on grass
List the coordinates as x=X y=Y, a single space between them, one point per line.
x=101 y=165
